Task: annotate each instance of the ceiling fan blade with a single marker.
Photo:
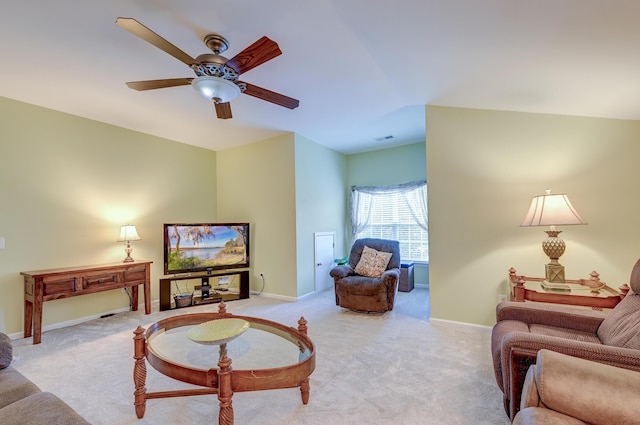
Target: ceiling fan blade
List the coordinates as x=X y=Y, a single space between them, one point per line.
x=146 y=34
x=158 y=84
x=258 y=53
x=223 y=110
x=271 y=96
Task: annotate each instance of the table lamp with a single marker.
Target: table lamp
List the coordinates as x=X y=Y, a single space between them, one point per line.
x=128 y=233
x=552 y=210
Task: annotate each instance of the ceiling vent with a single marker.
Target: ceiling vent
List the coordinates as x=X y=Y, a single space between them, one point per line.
x=383 y=138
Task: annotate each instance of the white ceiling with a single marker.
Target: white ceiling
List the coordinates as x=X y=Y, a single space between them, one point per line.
x=362 y=69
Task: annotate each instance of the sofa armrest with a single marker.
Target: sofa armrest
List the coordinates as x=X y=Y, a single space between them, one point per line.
x=550 y=315
x=592 y=392
x=339 y=272
x=519 y=351
x=6 y=351
x=523 y=344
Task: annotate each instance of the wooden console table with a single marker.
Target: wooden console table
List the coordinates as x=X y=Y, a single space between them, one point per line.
x=53 y=284
x=590 y=292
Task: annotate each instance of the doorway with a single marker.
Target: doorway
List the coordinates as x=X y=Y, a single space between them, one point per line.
x=324 y=259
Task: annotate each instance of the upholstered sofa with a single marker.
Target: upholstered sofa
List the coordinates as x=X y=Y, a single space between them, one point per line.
x=566 y=390
x=522 y=329
x=22 y=402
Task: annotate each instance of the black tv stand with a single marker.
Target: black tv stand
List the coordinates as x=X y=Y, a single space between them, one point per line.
x=216 y=293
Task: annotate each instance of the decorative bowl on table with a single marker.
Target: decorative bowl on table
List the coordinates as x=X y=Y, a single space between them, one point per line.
x=219 y=331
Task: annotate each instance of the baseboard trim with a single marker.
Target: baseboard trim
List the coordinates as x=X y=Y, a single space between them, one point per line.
x=461 y=324
x=274 y=296
x=20 y=335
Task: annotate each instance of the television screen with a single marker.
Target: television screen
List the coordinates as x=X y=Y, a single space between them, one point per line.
x=205 y=246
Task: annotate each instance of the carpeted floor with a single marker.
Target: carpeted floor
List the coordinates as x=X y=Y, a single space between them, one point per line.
x=394 y=368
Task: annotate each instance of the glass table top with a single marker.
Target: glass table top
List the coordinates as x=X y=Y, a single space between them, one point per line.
x=261 y=346
x=574 y=289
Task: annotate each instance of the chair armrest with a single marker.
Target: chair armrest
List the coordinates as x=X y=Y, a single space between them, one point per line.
x=551 y=315
x=390 y=276
x=342 y=271
x=592 y=392
x=530 y=396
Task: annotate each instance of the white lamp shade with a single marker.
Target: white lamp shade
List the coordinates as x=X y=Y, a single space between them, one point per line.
x=128 y=233
x=552 y=210
x=216 y=88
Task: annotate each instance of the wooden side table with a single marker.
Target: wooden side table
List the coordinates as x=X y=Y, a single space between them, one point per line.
x=590 y=292
x=53 y=284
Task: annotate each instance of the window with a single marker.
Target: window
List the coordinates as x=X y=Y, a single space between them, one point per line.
x=396 y=212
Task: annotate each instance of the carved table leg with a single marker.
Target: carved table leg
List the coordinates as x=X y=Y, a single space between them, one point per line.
x=304 y=391
x=225 y=393
x=139 y=371
x=304 y=385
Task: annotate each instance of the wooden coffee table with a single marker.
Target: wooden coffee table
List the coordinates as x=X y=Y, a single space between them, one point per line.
x=166 y=346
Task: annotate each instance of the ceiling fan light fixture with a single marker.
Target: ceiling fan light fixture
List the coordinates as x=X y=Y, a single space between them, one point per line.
x=216 y=88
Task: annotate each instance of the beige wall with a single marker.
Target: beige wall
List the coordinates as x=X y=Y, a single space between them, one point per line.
x=256 y=183
x=67 y=184
x=483 y=169
x=285 y=187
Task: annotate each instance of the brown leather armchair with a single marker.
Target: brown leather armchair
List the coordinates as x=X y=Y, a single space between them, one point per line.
x=561 y=389
x=363 y=293
x=522 y=329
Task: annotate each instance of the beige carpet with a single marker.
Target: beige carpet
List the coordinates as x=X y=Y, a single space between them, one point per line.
x=395 y=368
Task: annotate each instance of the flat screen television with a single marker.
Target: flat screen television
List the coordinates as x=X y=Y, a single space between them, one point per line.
x=203 y=247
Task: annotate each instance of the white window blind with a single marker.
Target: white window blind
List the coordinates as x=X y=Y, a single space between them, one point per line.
x=396 y=212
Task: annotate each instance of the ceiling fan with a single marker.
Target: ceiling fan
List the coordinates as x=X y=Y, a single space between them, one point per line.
x=216 y=76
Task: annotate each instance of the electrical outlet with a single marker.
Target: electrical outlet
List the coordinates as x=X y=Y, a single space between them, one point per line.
x=502 y=298
x=2 y=243
x=262 y=275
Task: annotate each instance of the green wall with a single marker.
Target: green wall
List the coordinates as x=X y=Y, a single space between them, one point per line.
x=386 y=167
x=68 y=184
x=320 y=178
x=483 y=169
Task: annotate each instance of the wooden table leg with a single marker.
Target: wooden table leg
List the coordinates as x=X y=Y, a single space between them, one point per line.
x=134 y=297
x=37 y=314
x=304 y=385
x=139 y=371
x=28 y=318
x=304 y=391
x=147 y=290
x=225 y=393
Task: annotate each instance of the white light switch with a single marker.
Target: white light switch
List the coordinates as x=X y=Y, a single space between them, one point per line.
x=1 y=243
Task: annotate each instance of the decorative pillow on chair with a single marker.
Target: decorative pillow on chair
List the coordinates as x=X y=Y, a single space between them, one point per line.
x=372 y=263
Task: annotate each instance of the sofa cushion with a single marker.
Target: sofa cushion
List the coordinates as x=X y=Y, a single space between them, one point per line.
x=372 y=263
x=40 y=408
x=14 y=386
x=621 y=327
x=6 y=351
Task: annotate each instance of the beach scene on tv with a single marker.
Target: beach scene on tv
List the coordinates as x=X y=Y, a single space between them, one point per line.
x=198 y=247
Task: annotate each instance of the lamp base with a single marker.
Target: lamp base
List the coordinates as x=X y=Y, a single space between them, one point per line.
x=128 y=250
x=554 y=272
